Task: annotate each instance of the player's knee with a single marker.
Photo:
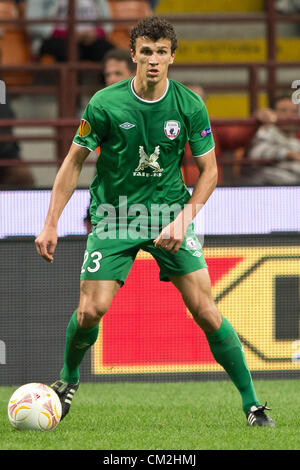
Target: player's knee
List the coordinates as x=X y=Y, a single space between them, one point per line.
x=90 y=312
x=207 y=317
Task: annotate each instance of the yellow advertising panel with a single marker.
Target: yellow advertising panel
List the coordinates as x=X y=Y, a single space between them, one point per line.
x=235 y=50
x=213 y=6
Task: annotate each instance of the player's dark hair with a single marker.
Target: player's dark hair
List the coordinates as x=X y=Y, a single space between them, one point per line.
x=154 y=28
x=121 y=55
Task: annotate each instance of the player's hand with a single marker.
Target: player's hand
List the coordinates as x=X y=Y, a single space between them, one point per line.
x=46 y=243
x=266 y=116
x=171 y=236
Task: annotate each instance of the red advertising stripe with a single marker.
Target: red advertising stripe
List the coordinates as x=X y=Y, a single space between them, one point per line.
x=148 y=322
x=218 y=267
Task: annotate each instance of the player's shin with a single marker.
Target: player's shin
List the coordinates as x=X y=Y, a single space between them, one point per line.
x=78 y=341
x=228 y=352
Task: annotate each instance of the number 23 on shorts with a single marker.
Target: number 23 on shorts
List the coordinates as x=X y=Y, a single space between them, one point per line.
x=95 y=256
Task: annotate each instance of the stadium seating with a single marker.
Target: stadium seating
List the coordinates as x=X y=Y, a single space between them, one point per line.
x=14 y=45
x=229 y=90
x=227 y=43
x=123 y=9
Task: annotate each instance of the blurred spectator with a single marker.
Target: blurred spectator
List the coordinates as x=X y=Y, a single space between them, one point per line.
x=12 y=176
x=196 y=88
x=287 y=6
x=153 y=3
x=117 y=66
x=50 y=42
x=14 y=45
x=20 y=4
x=280 y=145
x=227 y=138
x=124 y=10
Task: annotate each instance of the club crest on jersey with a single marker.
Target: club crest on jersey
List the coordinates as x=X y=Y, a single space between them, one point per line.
x=84 y=128
x=172 y=129
x=148 y=161
x=191 y=243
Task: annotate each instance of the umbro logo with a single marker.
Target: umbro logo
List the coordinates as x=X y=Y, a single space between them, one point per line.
x=127 y=125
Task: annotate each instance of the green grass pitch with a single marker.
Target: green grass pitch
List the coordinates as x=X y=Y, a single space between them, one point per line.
x=164 y=416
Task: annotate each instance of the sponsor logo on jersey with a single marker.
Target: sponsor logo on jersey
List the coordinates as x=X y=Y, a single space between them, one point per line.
x=84 y=128
x=205 y=132
x=172 y=129
x=127 y=125
x=148 y=162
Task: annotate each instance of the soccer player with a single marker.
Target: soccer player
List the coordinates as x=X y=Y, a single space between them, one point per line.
x=142 y=125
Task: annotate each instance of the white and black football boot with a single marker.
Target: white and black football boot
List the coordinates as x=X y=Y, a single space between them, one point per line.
x=256 y=416
x=65 y=392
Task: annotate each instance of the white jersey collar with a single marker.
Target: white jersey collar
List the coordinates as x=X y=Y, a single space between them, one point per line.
x=149 y=101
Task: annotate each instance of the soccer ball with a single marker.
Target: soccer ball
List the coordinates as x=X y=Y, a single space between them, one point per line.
x=34 y=406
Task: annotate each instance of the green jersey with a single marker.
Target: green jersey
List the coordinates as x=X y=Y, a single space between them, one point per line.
x=142 y=144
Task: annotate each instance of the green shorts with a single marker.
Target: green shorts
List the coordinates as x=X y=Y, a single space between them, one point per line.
x=112 y=259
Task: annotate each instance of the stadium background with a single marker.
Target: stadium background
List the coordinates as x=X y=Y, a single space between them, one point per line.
x=251 y=238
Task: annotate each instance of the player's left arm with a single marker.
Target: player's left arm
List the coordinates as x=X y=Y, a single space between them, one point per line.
x=172 y=236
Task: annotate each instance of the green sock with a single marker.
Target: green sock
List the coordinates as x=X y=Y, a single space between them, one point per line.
x=78 y=341
x=228 y=352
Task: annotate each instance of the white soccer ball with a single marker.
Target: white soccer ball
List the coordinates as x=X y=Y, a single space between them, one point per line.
x=34 y=406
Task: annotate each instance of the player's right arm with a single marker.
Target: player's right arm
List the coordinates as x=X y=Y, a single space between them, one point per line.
x=64 y=185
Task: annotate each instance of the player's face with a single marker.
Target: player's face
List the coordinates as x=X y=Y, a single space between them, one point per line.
x=115 y=71
x=286 y=109
x=153 y=58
